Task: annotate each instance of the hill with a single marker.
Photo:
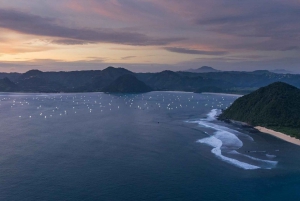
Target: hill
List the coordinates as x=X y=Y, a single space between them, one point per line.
x=275 y=106
x=37 y=84
x=176 y=81
x=127 y=84
x=203 y=69
x=7 y=86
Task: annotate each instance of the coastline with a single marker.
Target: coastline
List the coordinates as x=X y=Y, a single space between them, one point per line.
x=265 y=130
x=224 y=94
x=280 y=135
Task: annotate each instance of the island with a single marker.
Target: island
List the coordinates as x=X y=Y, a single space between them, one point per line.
x=273 y=109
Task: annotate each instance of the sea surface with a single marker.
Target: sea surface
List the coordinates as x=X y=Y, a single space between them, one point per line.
x=153 y=146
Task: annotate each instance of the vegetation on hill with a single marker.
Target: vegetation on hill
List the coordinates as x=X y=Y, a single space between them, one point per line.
x=127 y=84
x=275 y=106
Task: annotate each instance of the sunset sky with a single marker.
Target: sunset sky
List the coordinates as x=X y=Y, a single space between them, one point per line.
x=149 y=35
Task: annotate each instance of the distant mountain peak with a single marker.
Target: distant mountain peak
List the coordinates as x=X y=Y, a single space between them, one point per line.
x=34 y=71
x=206 y=68
x=203 y=69
x=111 y=68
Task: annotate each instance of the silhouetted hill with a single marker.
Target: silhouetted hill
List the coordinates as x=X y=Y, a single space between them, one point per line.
x=127 y=84
x=249 y=80
x=7 y=86
x=106 y=77
x=275 y=106
x=11 y=76
x=36 y=84
x=174 y=81
x=31 y=73
x=113 y=73
x=203 y=69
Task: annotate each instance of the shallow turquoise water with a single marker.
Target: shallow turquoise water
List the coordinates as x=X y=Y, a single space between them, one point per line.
x=95 y=146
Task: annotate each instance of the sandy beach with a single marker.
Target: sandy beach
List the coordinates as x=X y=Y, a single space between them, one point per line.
x=279 y=135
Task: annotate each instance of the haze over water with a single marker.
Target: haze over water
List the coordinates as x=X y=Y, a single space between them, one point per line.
x=153 y=146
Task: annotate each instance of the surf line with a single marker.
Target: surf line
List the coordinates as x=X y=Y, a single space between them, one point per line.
x=225 y=137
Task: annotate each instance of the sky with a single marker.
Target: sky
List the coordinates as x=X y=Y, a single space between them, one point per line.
x=149 y=35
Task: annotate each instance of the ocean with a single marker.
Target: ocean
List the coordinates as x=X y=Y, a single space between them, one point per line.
x=152 y=146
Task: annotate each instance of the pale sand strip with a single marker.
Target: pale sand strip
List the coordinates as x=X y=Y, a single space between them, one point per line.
x=223 y=94
x=279 y=135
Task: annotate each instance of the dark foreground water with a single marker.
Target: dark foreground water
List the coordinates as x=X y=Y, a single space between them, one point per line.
x=155 y=146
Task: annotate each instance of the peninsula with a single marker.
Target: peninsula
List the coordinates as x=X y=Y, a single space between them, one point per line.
x=273 y=109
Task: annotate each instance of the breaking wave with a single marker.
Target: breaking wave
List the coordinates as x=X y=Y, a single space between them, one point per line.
x=225 y=140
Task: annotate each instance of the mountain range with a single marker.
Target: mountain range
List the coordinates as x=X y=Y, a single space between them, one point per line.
x=99 y=80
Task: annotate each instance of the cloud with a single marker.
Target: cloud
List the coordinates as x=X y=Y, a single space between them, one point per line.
x=226 y=29
x=191 y=51
x=294 y=47
x=127 y=10
x=274 y=24
x=14 y=49
x=44 y=26
x=70 y=42
x=128 y=57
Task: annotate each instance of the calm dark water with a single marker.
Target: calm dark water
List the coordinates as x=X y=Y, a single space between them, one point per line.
x=155 y=146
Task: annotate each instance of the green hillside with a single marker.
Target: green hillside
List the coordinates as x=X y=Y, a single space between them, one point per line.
x=276 y=106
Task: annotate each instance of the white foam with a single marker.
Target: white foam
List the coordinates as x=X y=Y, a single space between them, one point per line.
x=208 y=123
x=224 y=137
x=212 y=115
x=228 y=139
x=268 y=163
x=270 y=156
x=217 y=144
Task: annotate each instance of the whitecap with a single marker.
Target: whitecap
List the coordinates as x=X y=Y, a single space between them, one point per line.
x=217 y=144
x=226 y=139
x=266 y=163
x=208 y=123
x=270 y=156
